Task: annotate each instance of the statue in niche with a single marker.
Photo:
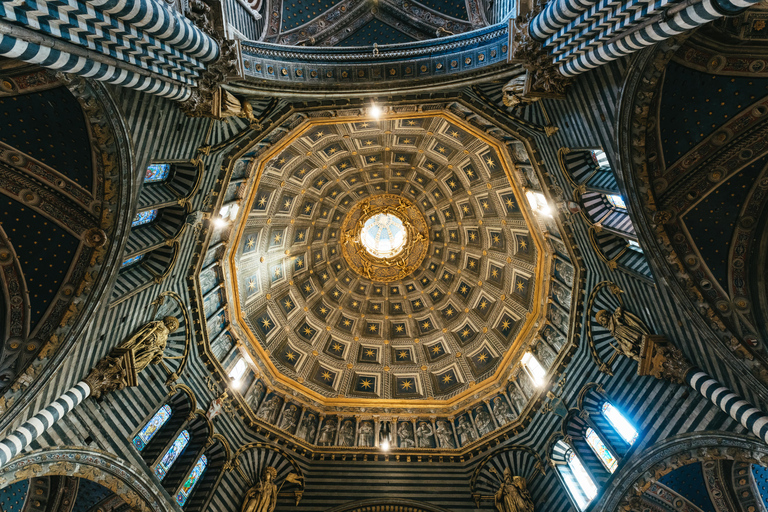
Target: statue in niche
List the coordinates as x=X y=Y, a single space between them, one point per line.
x=405 y=435
x=289 y=418
x=366 y=434
x=562 y=294
x=423 y=433
x=513 y=495
x=502 y=411
x=627 y=329
x=256 y=395
x=483 y=421
x=465 y=431
x=262 y=497
x=513 y=92
x=555 y=339
x=518 y=400
x=444 y=434
x=347 y=434
x=544 y=355
x=148 y=344
x=559 y=319
x=268 y=410
x=327 y=433
x=308 y=428
x=231 y=105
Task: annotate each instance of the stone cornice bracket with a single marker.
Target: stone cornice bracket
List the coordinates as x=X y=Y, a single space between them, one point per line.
x=542 y=77
x=660 y=359
x=206 y=99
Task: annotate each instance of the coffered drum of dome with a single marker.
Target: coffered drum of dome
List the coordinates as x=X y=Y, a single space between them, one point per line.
x=344 y=330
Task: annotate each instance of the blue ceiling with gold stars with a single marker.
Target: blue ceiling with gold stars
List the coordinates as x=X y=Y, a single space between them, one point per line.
x=688 y=482
x=375 y=31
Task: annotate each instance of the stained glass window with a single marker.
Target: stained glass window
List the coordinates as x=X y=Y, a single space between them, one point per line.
x=602 y=451
x=191 y=481
x=586 y=485
x=157 y=172
x=131 y=261
x=617 y=201
x=144 y=217
x=176 y=449
x=620 y=423
x=600 y=159
x=151 y=428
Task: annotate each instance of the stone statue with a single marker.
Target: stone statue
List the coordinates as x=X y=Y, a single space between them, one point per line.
x=262 y=497
x=366 y=434
x=308 y=428
x=347 y=434
x=268 y=410
x=289 y=418
x=513 y=495
x=465 y=431
x=327 y=433
x=232 y=106
x=148 y=344
x=513 y=92
x=405 y=435
x=483 y=421
x=626 y=328
x=444 y=435
x=423 y=433
x=501 y=411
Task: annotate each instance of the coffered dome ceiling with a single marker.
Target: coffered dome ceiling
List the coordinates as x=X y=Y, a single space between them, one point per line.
x=424 y=325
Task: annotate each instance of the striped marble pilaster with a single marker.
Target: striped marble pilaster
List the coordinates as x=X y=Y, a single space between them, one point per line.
x=164 y=23
x=688 y=18
x=59 y=60
x=30 y=430
x=732 y=404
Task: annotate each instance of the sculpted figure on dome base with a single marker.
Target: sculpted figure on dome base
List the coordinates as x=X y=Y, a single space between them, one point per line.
x=627 y=329
x=262 y=497
x=513 y=495
x=149 y=342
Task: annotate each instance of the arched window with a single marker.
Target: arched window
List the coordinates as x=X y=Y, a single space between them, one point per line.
x=617 y=201
x=587 y=488
x=144 y=217
x=133 y=260
x=623 y=427
x=191 y=481
x=176 y=449
x=151 y=428
x=603 y=453
x=157 y=172
x=600 y=159
x=574 y=476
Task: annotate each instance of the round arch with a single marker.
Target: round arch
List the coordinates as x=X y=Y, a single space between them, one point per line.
x=387 y=505
x=105 y=469
x=643 y=469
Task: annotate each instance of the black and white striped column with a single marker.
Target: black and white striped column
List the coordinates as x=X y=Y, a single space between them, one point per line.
x=30 y=430
x=732 y=404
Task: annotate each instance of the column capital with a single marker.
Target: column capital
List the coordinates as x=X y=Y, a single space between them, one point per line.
x=660 y=359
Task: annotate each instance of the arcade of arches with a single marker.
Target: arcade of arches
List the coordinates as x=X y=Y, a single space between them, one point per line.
x=383 y=256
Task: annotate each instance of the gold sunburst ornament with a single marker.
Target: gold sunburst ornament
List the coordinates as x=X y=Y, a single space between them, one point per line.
x=384 y=238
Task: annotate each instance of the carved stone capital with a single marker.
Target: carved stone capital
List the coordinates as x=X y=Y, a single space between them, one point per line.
x=542 y=78
x=115 y=371
x=660 y=359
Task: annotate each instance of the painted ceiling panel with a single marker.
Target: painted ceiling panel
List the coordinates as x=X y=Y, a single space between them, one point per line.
x=12 y=497
x=49 y=126
x=760 y=475
x=89 y=494
x=299 y=12
x=712 y=221
x=44 y=249
x=376 y=31
x=694 y=104
x=688 y=482
x=453 y=8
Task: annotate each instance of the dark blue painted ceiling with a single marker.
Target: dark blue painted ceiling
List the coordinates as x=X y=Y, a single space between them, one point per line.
x=375 y=31
x=453 y=8
x=12 y=497
x=49 y=126
x=688 y=482
x=89 y=494
x=44 y=249
x=694 y=104
x=711 y=222
x=299 y=12
x=760 y=475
